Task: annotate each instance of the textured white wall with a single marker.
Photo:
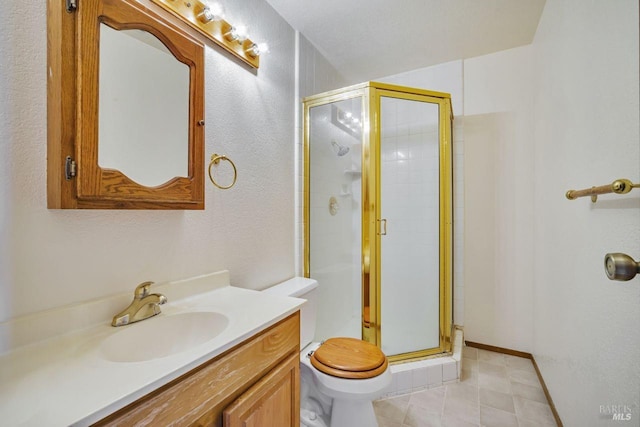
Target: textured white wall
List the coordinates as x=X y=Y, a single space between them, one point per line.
x=539 y=120
x=586 y=335
x=499 y=177
x=51 y=258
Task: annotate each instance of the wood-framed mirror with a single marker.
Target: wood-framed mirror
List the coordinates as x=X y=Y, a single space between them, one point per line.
x=125 y=109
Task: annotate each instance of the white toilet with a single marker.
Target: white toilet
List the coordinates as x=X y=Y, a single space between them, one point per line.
x=339 y=378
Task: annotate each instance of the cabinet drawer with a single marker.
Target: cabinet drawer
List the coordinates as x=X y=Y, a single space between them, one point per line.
x=199 y=397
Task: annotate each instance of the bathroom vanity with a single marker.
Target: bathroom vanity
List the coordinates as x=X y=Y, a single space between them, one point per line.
x=254 y=384
x=217 y=355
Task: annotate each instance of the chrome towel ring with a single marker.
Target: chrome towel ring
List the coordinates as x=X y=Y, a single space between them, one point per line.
x=215 y=159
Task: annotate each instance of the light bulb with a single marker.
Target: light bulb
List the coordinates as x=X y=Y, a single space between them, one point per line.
x=211 y=12
x=231 y=35
x=238 y=34
x=216 y=10
x=241 y=33
x=263 y=48
x=258 y=49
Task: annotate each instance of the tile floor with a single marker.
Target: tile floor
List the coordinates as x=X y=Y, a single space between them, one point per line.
x=495 y=390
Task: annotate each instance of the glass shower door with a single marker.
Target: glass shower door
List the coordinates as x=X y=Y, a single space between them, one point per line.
x=334 y=176
x=409 y=223
x=377 y=216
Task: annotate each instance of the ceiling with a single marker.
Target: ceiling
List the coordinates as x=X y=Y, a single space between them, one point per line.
x=370 y=39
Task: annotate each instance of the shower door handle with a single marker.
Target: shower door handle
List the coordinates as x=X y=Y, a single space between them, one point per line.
x=383 y=232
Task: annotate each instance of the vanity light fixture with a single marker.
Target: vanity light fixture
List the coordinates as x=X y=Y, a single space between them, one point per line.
x=206 y=17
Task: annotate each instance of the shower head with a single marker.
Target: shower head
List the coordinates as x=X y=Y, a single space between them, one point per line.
x=340 y=150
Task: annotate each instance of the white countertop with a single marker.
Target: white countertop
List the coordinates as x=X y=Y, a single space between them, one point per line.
x=66 y=381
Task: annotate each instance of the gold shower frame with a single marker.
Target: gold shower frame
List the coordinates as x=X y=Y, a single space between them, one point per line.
x=371 y=92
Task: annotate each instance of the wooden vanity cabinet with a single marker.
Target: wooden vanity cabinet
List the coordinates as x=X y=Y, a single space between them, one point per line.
x=256 y=383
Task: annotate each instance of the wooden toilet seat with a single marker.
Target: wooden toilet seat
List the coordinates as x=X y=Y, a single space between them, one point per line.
x=349 y=358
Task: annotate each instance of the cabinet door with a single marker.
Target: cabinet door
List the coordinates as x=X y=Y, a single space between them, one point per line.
x=274 y=401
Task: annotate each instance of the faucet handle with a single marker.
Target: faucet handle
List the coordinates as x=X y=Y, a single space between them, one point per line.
x=142 y=290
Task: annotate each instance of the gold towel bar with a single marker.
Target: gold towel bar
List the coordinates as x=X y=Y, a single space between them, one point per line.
x=619 y=186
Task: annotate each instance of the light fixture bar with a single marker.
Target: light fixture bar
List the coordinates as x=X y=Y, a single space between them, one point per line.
x=206 y=18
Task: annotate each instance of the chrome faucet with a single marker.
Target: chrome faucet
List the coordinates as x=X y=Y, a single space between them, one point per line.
x=143 y=306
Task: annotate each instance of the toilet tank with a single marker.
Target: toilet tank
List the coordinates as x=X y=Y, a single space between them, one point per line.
x=301 y=287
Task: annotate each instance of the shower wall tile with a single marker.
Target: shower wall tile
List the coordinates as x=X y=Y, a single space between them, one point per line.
x=404 y=381
x=419 y=379
x=428 y=373
x=458 y=129
x=393 y=388
x=458 y=242
x=434 y=375
x=458 y=198
x=458 y=343
x=458 y=312
x=449 y=371
x=458 y=221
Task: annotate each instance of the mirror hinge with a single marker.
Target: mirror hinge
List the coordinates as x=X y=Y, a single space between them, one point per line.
x=72 y=5
x=69 y=168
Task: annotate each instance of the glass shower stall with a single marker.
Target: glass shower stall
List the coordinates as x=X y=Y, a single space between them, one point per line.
x=378 y=216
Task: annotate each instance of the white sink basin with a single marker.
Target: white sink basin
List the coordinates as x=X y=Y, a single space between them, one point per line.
x=163 y=336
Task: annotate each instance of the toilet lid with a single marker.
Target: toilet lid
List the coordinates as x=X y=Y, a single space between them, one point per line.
x=349 y=358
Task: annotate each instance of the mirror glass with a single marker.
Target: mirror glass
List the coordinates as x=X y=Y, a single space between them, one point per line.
x=143 y=128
